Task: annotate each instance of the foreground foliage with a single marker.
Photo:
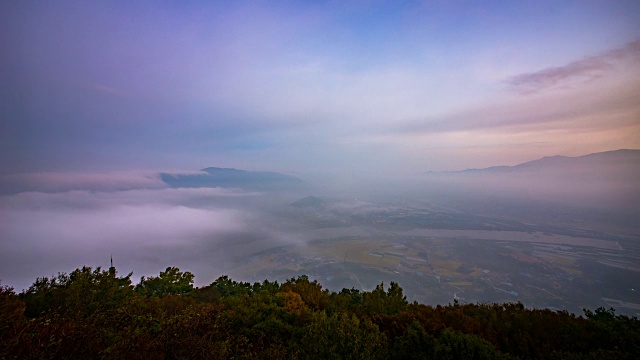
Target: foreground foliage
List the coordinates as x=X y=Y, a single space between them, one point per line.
x=92 y=313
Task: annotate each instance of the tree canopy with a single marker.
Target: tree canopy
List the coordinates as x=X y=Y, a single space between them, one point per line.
x=172 y=281
x=92 y=313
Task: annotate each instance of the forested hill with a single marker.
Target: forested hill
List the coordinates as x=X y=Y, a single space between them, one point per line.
x=94 y=313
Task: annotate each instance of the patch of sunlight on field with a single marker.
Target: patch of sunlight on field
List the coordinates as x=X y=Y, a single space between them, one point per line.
x=449 y=264
x=571 y=271
x=447 y=267
x=477 y=272
x=563 y=261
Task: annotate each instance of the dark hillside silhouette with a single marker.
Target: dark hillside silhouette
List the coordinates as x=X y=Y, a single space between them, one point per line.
x=93 y=313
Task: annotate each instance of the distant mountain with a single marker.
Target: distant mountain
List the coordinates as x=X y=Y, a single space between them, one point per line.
x=606 y=181
x=234 y=178
x=625 y=158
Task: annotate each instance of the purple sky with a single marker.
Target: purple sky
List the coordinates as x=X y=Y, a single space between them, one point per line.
x=312 y=88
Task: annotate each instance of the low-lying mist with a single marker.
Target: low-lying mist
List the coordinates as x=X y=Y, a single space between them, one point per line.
x=59 y=222
x=145 y=230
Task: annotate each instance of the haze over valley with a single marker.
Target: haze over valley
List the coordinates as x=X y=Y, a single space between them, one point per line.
x=469 y=151
x=474 y=236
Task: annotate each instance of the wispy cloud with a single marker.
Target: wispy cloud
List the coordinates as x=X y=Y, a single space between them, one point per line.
x=587 y=108
x=583 y=70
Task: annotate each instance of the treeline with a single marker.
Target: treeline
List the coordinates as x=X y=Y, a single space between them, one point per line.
x=94 y=313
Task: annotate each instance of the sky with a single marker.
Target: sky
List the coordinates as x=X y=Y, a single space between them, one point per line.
x=314 y=88
x=97 y=97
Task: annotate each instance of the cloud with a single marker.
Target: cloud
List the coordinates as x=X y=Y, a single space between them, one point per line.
x=513 y=129
x=584 y=70
x=200 y=230
x=282 y=88
x=56 y=182
x=580 y=109
x=96 y=200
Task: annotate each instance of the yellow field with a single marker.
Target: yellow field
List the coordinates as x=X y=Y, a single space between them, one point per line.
x=357 y=251
x=448 y=264
x=447 y=267
x=256 y=266
x=563 y=261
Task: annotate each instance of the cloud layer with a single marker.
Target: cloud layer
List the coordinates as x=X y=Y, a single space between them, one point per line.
x=202 y=230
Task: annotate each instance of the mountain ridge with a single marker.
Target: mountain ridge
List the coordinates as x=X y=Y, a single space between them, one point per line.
x=632 y=155
x=230 y=177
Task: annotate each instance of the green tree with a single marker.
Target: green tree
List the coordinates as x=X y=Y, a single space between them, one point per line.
x=380 y=302
x=172 y=281
x=456 y=345
x=310 y=291
x=345 y=300
x=343 y=336
x=11 y=319
x=415 y=344
x=396 y=301
x=79 y=294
